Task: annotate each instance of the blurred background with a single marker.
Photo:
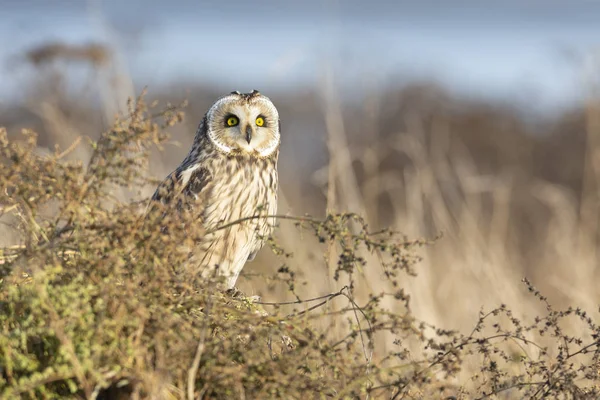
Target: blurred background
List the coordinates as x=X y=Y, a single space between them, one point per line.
x=478 y=121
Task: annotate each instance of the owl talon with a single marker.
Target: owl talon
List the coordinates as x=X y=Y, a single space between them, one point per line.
x=235 y=292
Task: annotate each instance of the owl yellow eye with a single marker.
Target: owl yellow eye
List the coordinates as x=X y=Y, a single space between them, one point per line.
x=232 y=121
x=260 y=121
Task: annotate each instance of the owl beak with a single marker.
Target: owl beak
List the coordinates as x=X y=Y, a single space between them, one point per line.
x=248 y=133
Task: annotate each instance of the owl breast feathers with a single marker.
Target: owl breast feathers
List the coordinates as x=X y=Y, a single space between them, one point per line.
x=229 y=175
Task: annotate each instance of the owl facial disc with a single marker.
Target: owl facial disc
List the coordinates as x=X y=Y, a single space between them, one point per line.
x=244 y=123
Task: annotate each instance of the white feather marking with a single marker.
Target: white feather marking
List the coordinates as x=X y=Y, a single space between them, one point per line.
x=270 y=149
x=220 y=145
x=186 y=175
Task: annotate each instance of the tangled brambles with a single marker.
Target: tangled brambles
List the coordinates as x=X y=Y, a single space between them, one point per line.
x=95 y=303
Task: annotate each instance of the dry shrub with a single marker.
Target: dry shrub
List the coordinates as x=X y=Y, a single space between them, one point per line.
x=94 y=53
x=95 y=303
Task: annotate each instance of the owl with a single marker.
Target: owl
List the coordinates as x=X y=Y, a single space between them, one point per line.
x=229 y=179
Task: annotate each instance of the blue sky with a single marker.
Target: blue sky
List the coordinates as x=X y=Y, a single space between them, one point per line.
x=509 y=50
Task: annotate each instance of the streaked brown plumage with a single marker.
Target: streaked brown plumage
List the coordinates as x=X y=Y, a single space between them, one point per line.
x=229 y=174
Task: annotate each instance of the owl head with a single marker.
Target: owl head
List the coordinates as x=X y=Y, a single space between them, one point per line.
x=244 y=123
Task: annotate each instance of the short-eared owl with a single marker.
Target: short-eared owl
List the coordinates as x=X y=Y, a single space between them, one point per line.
x=230 y=174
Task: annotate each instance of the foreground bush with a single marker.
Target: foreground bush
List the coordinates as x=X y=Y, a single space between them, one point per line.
x=95 y=303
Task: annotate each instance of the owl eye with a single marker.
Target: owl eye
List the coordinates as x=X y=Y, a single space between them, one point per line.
x=232 y=120
x=260 y=121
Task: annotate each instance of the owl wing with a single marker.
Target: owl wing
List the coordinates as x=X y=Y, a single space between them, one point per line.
x=184 y=185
